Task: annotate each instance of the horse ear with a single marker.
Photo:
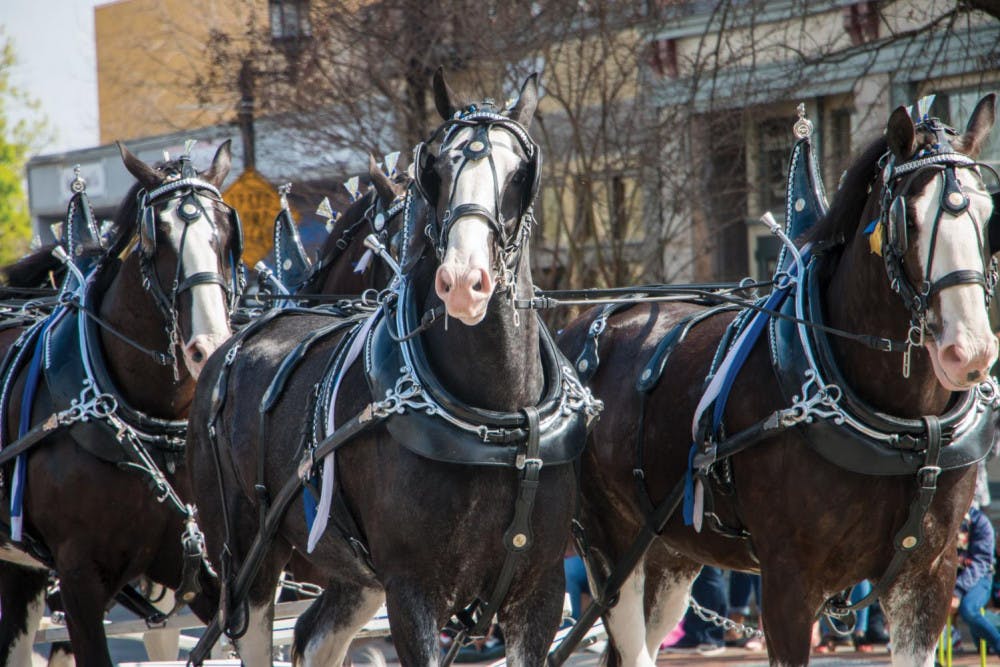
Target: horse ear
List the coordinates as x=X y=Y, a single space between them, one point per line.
x=148 y=176
x=527 y=101
x=443 y=95
x=221 y=164
x=383 y=186
x=980 y=123
x=900 y=134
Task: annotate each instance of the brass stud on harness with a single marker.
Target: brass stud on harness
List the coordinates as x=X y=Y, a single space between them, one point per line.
x=189 y=209
x=477 y=146
x=956 y=199
x=582 y=365
x=909 y=542
x=519 y=540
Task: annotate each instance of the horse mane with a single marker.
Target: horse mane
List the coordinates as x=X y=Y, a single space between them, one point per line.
x=123 y=226
x=842 y=219
x=350 y=216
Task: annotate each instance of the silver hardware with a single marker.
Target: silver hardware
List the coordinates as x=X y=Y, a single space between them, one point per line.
x=815 y=402
x=720 y=621
x=800 y=204
x=78 y=184
x=283 y=191
x=803 y=127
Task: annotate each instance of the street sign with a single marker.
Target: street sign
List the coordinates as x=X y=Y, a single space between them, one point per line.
x=257 y=202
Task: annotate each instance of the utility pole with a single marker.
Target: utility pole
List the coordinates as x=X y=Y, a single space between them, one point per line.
x=245 y=113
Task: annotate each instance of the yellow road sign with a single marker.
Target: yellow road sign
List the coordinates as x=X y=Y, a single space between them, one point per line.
x=257 y=202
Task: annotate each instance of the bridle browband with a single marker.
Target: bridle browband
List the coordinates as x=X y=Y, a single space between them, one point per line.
x=190 y=209
x=896 y=181
x=480 y=147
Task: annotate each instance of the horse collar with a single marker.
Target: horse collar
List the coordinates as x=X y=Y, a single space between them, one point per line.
x=848 y=432
x=448 y=430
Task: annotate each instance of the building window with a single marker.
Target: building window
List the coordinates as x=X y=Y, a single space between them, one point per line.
x=861 y=22
x=955 y=108
x=775 y=147
x=289 y=19
x=663 y=57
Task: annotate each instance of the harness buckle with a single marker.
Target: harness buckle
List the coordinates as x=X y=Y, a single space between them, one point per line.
x=522 y=461
x=927 y=476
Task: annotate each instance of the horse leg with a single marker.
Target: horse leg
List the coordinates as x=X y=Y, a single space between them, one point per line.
x=413 y=623
x=626 y=623
x=668 y=581
x=531 y=616
x=789 y=613
x=162 y=644
x=85 y=594
x=324 y=632
x=917 y=607
x=60 y=653
x=255 y=647
x=22 y=602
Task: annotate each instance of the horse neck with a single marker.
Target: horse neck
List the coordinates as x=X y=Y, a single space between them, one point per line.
x=146 y=385
x=858 y=299
x=496 y=364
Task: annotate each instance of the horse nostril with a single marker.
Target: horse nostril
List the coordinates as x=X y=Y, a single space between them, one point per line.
x=478 y=286
x=972 y=376
x=197 y=356
x=447 y=287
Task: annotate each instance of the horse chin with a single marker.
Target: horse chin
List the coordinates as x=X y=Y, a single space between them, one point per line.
x=469 y=319
x=942 y=376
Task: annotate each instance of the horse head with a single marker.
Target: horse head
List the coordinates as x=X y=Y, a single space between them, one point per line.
x=481 y=184
x=934 y=216
x=189 y=244
x=342 y=267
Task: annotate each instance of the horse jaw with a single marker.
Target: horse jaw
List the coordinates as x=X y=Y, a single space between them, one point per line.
x=964 y=347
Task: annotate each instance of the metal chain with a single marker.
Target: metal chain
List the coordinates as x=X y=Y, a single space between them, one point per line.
x=720 y=621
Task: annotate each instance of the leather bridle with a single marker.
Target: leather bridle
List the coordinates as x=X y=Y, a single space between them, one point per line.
x=187 y=189
x=480 y=147
x=897 y=179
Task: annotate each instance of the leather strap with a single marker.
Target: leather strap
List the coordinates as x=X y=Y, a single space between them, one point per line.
x=517 y=541
x=911 y=535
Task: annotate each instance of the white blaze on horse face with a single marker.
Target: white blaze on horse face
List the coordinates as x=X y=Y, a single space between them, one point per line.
x=464 y=281
x=209 y=317
x=964 y=347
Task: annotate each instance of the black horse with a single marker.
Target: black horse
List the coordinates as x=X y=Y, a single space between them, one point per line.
x=423 y=498
x=869 y=473
x=117 y=364
x=377 y=212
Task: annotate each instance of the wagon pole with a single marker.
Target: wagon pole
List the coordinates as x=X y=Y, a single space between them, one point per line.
x=608 y=596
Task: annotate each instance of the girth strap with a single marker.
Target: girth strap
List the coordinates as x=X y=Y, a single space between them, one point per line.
x=911 y=535
x=517 y=540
